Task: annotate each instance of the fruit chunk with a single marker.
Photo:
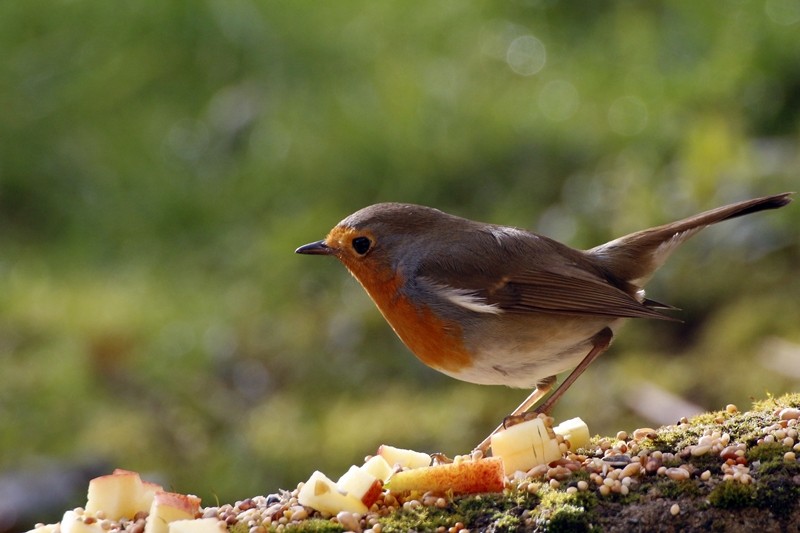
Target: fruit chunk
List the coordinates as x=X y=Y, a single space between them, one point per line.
x=360 y=484
x=149 y=491
x=200 y=525
x=168 y=507
x=118 y=495
x=322 y=494
x=524 y=446
x=378 y=467
x=467 y=477
x=575 y=431
x=403 y=457
x=146 y=493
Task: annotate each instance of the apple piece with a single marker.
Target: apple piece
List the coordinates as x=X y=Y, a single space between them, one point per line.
x=123 y=471
x=361 y=484
x=199 y=525
x=525 y=445
x=168 y=507
x=378 y=467
x=322 y=494
x=118 y=495
x=405 y=458
x=149 y=491
x=575 y=431
x=71 y=522
x=467 y=477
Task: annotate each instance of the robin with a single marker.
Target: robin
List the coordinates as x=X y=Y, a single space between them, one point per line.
x=499 y=305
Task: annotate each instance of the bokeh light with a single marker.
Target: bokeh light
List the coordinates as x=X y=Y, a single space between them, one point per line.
x=526 y=55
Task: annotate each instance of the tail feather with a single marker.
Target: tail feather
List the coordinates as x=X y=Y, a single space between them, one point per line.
x=635 y=257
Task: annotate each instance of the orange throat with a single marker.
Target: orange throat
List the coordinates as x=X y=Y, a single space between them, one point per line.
x=434 y=341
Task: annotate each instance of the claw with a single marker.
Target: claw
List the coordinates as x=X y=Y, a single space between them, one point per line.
x=440 y=459
x=513 y=420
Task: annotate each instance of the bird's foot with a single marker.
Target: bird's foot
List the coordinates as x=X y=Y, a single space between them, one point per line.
x=513 y=420
x=440 y=459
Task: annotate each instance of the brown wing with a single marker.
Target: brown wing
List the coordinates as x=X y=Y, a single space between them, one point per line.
x=527 y=274
x=573 y=293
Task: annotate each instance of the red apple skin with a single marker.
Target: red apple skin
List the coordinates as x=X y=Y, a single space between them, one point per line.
x=372 y=495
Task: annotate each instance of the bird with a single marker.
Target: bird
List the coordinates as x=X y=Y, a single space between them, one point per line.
x=499 y=305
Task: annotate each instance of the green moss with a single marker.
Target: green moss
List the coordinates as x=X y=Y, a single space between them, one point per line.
x=776 y=488
x=732 y=495
x=419 y=518
x=506 y=522
x=413 y=519
x=314 y=525
x=743 y=427
x=747 y=427
x=675 y=438
x=771 y=404
x=561 y=511
x=570 y=518
x=238 y=527
x=552 y=499
x=674 y=490
x=710 y=418
x=505 y=513
x=773 y=485
x=779 y=494
x=782 y=469
x=580 y=475
x=551 y=510
x=767 y=452
x=501 y=512
x=710 y=461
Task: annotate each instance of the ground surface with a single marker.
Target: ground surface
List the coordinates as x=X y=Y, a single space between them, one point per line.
x=720 y=471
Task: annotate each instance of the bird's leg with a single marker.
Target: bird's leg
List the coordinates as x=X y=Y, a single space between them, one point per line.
x=542 y=388
x=600 y=344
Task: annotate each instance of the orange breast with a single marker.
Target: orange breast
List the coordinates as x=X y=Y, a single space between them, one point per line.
x=434 y=341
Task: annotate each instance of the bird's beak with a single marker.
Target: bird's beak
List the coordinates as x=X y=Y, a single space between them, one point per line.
x=315 y=248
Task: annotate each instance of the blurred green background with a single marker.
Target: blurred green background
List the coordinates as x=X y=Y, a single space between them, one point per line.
x=160 y=161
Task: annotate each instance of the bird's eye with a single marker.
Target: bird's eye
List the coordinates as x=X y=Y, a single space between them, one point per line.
x=361 y=245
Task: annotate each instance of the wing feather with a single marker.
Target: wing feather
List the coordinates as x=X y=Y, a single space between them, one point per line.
x=552 y=292
x=532 y=275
